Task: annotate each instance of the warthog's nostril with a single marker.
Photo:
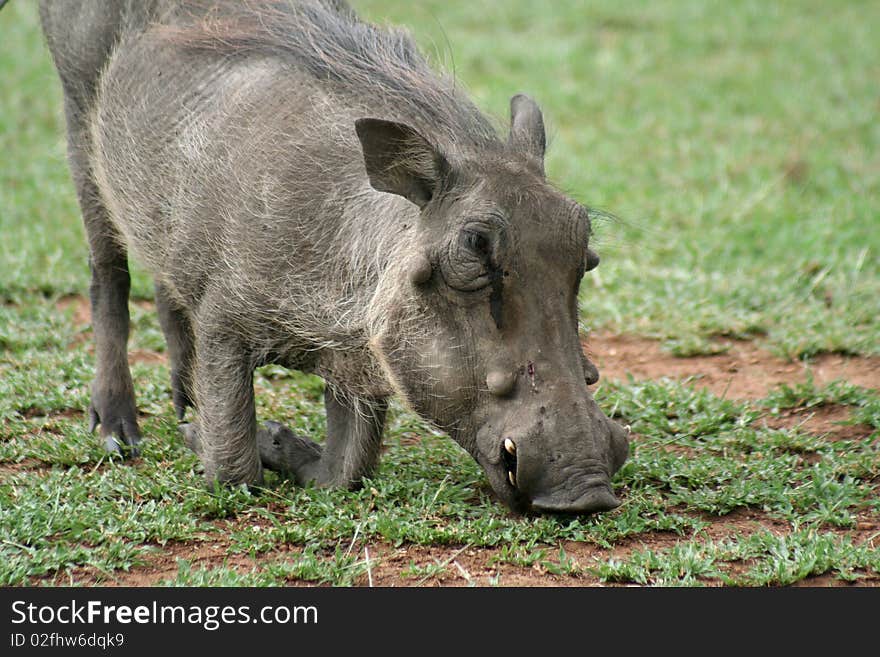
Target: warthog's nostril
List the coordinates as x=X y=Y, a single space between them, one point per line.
x=508 y=458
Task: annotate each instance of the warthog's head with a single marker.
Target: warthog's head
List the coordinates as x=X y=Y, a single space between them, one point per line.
x=484 y=341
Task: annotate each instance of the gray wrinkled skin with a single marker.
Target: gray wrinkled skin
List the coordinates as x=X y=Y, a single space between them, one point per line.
x=307 y=191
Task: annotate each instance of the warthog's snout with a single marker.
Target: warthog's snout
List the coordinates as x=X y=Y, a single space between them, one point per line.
x=580 y=488
x=559 y=473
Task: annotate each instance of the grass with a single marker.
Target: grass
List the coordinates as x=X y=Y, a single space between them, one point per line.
x=769 y=560
x=737 y=146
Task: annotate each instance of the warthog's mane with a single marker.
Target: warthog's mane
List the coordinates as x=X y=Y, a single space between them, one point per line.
x=326 y=39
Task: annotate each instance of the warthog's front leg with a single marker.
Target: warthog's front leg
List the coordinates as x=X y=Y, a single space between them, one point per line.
x=351 y=451
x=225 y=435
x=112 y=405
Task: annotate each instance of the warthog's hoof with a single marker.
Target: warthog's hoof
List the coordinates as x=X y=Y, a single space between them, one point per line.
x=284 y=451
x=118 y=429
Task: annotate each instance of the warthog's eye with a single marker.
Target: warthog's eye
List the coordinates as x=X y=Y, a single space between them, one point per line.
x=468 y=263
x=476 y=242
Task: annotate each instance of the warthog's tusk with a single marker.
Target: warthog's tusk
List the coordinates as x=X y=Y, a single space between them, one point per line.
x=510 y=446
x=512 y=478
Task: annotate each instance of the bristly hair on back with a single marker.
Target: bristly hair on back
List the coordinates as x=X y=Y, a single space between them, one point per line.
x=326 y=39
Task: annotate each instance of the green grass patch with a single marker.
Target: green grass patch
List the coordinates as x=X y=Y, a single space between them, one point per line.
x=79 y=509
x=764 y=559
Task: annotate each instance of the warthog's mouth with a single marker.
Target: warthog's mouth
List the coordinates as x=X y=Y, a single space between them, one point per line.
x=595 y=498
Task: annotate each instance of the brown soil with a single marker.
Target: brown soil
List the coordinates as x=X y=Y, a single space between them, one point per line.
x=79 y=306
x=745 y=372
x=828 y=421
x=25 y=465
x=146 y=356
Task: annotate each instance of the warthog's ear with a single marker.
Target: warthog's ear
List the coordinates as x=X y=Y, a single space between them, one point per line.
x=527 y=128
x=400 y=161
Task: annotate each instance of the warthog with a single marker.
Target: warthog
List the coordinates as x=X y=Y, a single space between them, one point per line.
x=307 y=191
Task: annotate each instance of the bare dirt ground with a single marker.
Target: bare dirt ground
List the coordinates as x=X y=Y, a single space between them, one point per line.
x=745 y=371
